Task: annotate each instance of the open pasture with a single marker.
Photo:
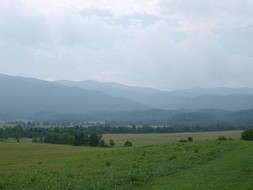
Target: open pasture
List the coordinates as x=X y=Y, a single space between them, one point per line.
x=155 y=138
x=153 y=164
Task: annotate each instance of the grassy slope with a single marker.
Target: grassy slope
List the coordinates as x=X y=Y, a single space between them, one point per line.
x=232 y=170
x=197 y=165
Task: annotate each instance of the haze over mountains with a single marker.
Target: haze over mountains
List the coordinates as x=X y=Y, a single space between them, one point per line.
x=22 y=98
x=196 y=98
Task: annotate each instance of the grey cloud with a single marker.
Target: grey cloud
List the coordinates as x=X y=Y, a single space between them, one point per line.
x=237 y=40
x=181 y=45
x=24 y=26
x=209 y=14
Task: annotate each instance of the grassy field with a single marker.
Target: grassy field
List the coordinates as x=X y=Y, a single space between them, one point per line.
x=156 y=163
x=232 y=170
x=147 y=139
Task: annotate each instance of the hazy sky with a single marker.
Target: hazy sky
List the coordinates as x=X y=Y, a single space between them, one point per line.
x=167 y=44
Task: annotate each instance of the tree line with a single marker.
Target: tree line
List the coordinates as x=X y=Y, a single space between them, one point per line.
x=92 y=135
x=77 y=135
x=32 y=130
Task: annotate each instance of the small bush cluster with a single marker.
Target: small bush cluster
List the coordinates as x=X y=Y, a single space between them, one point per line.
x=37 y=140
x=222 y=138
x=128 y=144
x=189 y=139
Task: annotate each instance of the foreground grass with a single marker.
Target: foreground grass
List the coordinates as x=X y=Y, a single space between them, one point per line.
x=232 y=170
x=197 y=165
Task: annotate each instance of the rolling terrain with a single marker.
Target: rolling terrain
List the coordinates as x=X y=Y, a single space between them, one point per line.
x=155 y=163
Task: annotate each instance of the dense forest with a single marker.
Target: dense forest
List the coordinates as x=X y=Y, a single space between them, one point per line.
x=152 y=117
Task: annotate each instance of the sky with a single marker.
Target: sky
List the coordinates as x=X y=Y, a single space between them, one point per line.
x=164 y=44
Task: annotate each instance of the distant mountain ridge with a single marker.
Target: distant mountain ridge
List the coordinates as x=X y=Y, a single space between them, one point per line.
x=22 y=96
x=113 y=89
x=222 y=91
x=196 y=98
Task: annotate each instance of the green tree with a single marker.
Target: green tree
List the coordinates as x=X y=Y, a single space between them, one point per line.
x=247 y=135
x=94 y=139
x=66 y=138
x=52 y=138
x=111 y=143
x=3 y=135
x=102 y=143
x=80 y=139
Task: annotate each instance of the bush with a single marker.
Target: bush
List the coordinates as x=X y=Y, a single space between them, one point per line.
x=128 y=144
x=111 y=143
x=36 y=140
x=247 y=135
x=107 y=163
x=102 y=143
x=190 y=139
x=222 y=138
x=182 y=140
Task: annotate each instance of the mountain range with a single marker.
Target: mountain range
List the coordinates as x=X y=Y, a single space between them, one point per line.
x=22 y=98
x=191 y=99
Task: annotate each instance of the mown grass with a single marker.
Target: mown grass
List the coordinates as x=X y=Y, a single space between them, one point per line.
x=170 y=165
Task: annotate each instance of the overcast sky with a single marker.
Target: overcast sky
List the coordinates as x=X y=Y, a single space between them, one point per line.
x=166 y=44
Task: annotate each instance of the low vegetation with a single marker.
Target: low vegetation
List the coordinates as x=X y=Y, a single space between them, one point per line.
x=189 y=139
x=154 y=162
x=157 y=166
x=128 y=144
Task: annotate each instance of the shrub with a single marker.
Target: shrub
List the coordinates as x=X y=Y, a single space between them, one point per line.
x=107 y=163
x=128 y=144
x=190 y=139
x=222 y=138
x=182 y=140
x=35 y=140
x=111 y=143
x=102 y=143
x=247 y=135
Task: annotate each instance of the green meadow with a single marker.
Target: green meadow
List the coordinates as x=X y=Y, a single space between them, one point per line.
x=156 y=138
x=156 y=161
